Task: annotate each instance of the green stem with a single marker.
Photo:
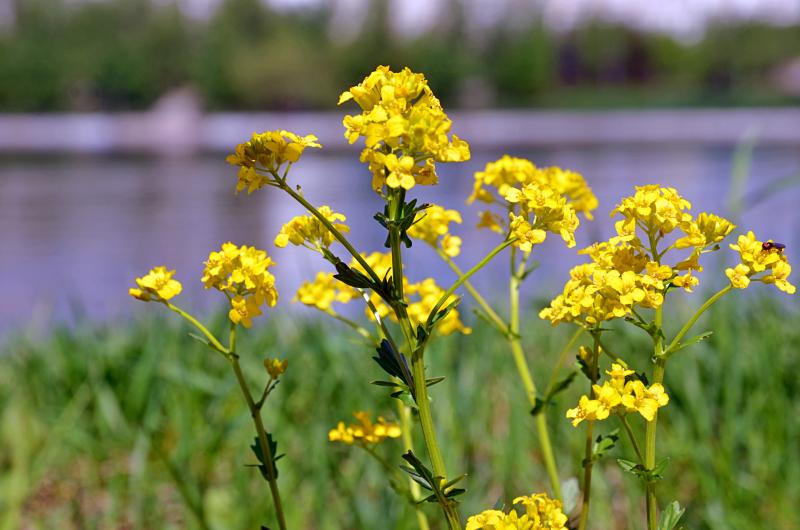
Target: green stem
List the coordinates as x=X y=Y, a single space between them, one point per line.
x=496 y=319
x=632 y=438
x=588 y=464
x=404 y=413
x=204 y=330
x=355 y=325
x=527 y=379
x=466 y=276
x=417 y=351
x=562 y=356
x=263 y=440
x=650 y=432
x=338 y=235
x=691 y=322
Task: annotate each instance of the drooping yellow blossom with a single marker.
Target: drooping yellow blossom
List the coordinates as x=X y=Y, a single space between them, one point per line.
x=404 y=127
x=275 y=367
x=541 y=513
x=365 y=431
x=309 y=231
x=703 y=231
x=618 y=396
x=267 y=151
x=433 y=226
x=156 y=285
x=492 y=184
x=241 y=273
x=756 y=257
x=323 y=291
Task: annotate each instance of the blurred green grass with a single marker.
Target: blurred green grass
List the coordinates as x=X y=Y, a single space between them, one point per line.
x=139 y=426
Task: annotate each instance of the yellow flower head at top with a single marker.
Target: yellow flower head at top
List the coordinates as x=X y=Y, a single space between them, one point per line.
x=267 y=151
x=365 y=431
x=432 y=226
x=404 y=127
x=241 y=273
x=542 y=210
x=760 y=256
x=309 y=231
x=658 y=209
x=541 y=513
x=156 y=285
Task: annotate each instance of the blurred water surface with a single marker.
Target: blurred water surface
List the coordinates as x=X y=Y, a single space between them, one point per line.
x=77 y=230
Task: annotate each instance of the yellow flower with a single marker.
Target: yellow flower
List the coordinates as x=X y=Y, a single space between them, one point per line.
x=241 y=273
x=309 y=231
x=275 y=367
x=541 y=513
x=757 y=256
x=365 y=431
x=618 y=374
x=739 y=276
x=404 y=127
x=587 y=409
x=645 y=401
x=493 y=183
x=433 y=226
x=658 y=209
x=706 y=230
x=323 y=291
x=156 y=285
x=267 y=151
x=545 y=513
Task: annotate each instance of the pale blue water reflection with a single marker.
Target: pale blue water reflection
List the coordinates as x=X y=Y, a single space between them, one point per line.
x=76 y=231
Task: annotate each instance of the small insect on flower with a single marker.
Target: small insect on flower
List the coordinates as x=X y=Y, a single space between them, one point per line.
x=766 y=246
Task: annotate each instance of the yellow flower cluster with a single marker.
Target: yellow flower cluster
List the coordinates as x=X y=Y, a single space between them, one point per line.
x=241 y=273
x=323 y=291
x=309 y=231
x=619 y=396
x=432 y=226
x=626 y=272
x=267 y=151
x=275 y=367
x=757 y=256
x=365 y=431
x=542 y=210
x=492 y=184
x=541 y=513
x=156 y=285
x=404 y=127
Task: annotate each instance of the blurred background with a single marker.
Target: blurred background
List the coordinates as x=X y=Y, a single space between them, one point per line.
x=115 y=120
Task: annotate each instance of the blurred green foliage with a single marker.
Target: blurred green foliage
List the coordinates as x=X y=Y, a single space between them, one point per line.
x=124 y=54
x=107 y=427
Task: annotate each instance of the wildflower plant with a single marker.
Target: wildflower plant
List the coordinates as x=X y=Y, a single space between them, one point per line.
x=657 y=251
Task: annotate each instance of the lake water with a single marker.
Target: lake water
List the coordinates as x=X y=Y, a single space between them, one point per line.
x=76 y=231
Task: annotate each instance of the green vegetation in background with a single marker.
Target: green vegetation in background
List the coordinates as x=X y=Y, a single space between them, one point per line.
x=108 y=426
x=124 y=54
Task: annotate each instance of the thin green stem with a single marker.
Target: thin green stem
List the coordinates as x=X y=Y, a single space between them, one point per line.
x=404 y=413
x=588 y=464
x=650 y=432
x=562 y=356
x=466 y=276
x=336 y=233
x=691 y=322
x=217 y=345
x=496 y=319
x=632 y=438
x=527 y=379
x=613 y=356
x=355 y=325
x=263 y=440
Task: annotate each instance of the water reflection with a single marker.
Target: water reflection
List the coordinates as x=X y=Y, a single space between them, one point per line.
x=75 y=231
